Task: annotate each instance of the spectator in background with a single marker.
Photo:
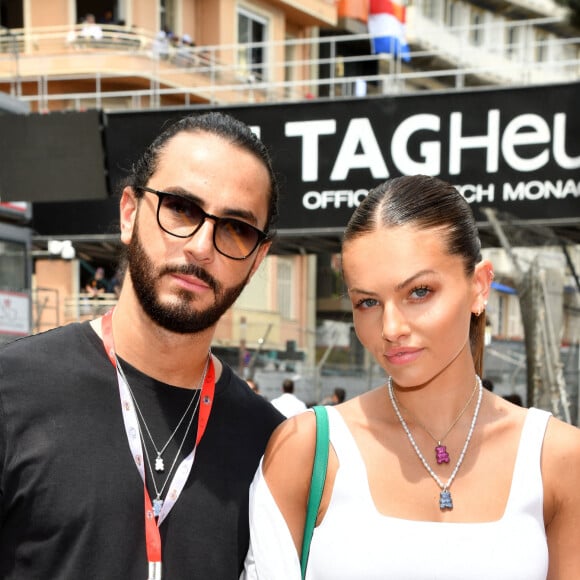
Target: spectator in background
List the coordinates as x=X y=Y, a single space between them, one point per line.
x=108 y=18
x=187 y=41
x=161 y=45
x=488 y=384
x=253 y=386
x=98 y=285
x=116 y=281
x=338 y=396
x=515 y=399
x=288 y=403
x=183 y=54
x=91 y=30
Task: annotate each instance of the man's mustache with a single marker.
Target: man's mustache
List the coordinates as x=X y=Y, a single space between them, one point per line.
x=193 y=270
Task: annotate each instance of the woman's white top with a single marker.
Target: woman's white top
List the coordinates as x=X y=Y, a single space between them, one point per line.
x=356 y=542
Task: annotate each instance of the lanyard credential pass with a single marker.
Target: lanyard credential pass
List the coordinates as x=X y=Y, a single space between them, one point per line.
x=131 y=421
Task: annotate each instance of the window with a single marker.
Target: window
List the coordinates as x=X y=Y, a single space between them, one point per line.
x=572 y=57
x=252 y=29
x=104 y=11
x=12 y=14
x=167 y=15
x=541 y=48
x=453 y=13
x=432 y=9
x=476 y=29
x=513 y=41
x=12 y=265
x=290 y=67
x=284 y=275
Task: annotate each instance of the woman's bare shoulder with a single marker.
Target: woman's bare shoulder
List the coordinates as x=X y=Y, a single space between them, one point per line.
x=561 y=477
x=561 y=466
x=562 y=444
x=292 y=442
x=364 y=408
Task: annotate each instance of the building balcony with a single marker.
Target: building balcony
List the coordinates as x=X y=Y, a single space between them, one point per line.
x=53 y=68
x=499 y=52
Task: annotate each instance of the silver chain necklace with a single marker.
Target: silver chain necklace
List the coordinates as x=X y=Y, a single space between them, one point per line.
x=159 y=463
x=445 y=501
x=157 y=501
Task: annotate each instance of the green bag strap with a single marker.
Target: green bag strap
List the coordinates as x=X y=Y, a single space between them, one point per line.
x=317 y=482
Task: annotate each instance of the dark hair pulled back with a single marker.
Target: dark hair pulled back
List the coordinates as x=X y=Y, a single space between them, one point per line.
x=426 y=202
x=215 y=123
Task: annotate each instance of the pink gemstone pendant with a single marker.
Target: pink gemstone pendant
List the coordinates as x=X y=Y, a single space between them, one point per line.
x=441 y=454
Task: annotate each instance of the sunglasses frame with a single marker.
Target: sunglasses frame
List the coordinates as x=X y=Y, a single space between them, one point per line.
x=262 y=236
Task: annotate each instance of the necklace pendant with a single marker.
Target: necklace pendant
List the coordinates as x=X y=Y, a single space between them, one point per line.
x=157 y=506
x=159 y=465
x=441 y=454
x=445 y=501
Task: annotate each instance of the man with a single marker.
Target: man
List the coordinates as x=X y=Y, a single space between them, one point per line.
x=90 y=411
x=338 y=396
x=253 y=385
x=97 y=286
x=91 y=30
x=288 y=403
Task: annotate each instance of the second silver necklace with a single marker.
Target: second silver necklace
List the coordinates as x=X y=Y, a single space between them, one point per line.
x=159 y=463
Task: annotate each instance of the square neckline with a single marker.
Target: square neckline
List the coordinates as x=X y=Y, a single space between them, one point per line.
x=527 y=424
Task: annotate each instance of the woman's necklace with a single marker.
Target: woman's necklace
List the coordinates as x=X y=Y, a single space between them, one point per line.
x=441 y=454
x=445 y=501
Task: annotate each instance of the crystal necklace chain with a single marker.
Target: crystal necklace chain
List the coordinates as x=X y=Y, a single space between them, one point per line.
x=441 y=454
x=445 y=500
x=159 y=463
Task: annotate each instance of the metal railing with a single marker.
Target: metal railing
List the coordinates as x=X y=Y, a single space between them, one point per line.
x=56 y=68
x=81 y=306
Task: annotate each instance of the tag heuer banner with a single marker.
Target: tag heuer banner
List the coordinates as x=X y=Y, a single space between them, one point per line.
x=516 y=150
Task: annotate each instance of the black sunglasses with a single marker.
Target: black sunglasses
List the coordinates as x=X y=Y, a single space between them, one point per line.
x=181 y=217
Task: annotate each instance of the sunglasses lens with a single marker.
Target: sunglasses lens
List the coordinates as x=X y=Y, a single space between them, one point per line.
x=182 y=217
x=179 y=216
x=235 y=238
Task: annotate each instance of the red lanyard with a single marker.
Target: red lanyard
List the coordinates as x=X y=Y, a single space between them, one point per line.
x=152 y=536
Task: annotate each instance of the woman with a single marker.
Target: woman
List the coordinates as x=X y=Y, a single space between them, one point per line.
x=430 y=475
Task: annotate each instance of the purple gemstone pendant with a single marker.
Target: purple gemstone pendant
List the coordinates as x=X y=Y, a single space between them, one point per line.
x=441 y=454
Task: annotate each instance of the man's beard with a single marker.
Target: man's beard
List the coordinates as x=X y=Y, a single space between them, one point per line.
x=182 y=316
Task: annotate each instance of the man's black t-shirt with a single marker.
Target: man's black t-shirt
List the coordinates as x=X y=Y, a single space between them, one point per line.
x=71 y=498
